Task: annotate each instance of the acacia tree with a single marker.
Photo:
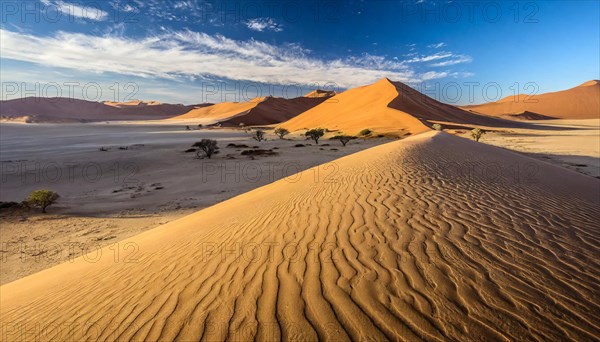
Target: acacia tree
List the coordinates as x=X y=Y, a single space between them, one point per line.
x=281 y=132
x=344 y=139
x=208 y=146
x=315 y=134
x=477 y=133
x=259 y=135
x=42 y=199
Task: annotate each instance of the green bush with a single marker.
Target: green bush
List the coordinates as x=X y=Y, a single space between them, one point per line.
x=315 y=134
x=42 y=199
x=258 y=135
x=477 y=133
x=365 y=132
x=437 y=127
x=344 y=139
x=208 y=146
x=281 y=132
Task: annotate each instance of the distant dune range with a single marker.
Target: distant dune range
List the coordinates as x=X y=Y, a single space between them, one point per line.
x=385 y=107
x=402 y=241
x=581 y=102
x=40 y=110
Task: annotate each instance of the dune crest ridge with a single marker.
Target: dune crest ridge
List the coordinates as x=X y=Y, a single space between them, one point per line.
x=400 y=241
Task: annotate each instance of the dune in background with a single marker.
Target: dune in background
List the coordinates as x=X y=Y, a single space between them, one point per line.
x=386 y=107
x=221 y=111
x=259 y=111
x=581 y=102
x=320 y=93
x=274 y=110
x=400 y=242
x=132 y=103
x=58 y=109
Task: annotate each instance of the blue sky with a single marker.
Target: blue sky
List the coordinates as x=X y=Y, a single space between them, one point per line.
x=192 y=51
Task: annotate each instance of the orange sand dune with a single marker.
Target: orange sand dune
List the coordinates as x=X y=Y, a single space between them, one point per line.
x=385 y=107
x=582 y=102
x=527 y=115
x=135 y=103
x=38 y=109
x=433 y=237
x=320 y=93
x=259 y=111
x=221 y=111
x=274 y=110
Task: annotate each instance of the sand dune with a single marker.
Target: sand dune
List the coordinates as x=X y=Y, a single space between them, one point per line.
x=385 y=107
x=320 y=93
x=259 y=111
x=582 y=102
x=132 y=103
x=221 y=111
x=433 y=237
x=527 y=115
x=35 y=109
x=274 y=110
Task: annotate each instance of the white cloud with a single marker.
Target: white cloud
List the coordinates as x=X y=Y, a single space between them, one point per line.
x=445 y=59
x=262 y=24
x=76 y=10
x=437 y=46
x=179 y=55
x=429 y=58
x=456 y=59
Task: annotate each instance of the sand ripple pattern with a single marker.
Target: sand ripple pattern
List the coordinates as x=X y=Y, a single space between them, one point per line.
x=402 y=242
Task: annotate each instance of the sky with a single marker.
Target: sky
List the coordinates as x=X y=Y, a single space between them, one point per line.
x=197 y=51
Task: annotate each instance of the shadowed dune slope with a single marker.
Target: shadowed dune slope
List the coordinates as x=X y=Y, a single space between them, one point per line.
x=386 y=107
x=73 y=110
x=526 y=115
x=221 y=111
x=582 y=102
x=275 y=110
x=433 y=237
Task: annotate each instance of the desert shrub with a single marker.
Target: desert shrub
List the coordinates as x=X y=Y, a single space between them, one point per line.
x=42 y=199
x=190 y=150
x=258 y=135
x=299 y=145
x=477 y=133
x=7 y=205
x=281 y=132
x=199 y=126
x=315 y=134
x=259 y=152
x=237 y=145
x=437 y=127
x=365 y=132
x=208 y=146
x=344 y=139
x=187 y=128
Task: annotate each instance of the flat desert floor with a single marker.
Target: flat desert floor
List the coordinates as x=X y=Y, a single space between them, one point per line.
x=575 y=145
x=109 y=196
x=433 y=237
